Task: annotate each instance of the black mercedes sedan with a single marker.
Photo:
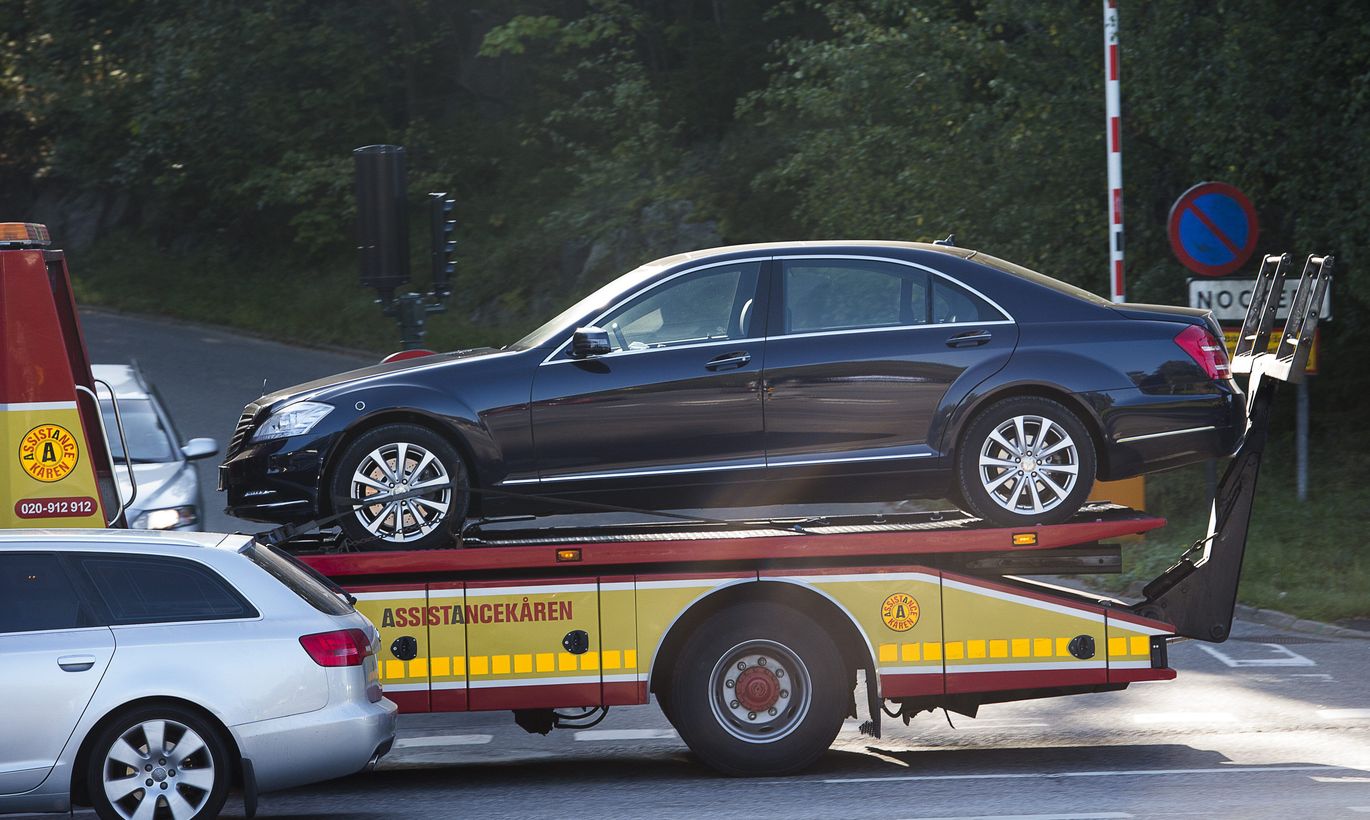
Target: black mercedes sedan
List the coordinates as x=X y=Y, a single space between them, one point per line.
x=755 y=374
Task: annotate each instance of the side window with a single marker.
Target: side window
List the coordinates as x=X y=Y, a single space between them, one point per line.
x=712 y=304
x=147 y=589
x=841 y=294
x=952 y=304
x=36 y=594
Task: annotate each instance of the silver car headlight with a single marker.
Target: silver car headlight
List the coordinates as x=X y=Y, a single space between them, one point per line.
x=292 y=420
x=167 y=519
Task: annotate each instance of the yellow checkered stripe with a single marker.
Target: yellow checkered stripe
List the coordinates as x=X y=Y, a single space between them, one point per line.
x=927 y=651
x=475 y=666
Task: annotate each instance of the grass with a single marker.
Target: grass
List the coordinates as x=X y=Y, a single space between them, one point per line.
x=1306 y=558
x=1310 y=558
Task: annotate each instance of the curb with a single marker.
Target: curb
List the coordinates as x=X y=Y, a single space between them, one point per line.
x=1282 y=620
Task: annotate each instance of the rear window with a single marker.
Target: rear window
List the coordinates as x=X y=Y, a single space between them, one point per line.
x=1039 y=278
x=299 y=579
x=155 y=589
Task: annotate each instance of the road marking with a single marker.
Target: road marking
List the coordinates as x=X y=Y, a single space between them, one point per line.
x=1185 y=717
x=1344 y=714
x=1317 y=779
x=1110 y=815
x=1320 y=677
x=1001 y=726
x=1049 y=775
x=1280 y=656
x=1363 y=809
x=626 y=734
x=442 y=740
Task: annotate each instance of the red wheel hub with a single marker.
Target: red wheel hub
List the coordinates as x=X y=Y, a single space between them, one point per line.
x=757 y=689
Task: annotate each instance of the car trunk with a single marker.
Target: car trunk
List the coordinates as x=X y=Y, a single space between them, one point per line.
x=1171 y=313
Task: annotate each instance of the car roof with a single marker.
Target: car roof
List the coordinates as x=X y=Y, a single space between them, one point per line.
x=772 y=247
x=58 y=538
x=126 y=380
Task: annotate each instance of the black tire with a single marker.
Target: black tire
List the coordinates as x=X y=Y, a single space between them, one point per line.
x=1046 y=425
x=209 y=765
x=807 y=718
x=404 y=526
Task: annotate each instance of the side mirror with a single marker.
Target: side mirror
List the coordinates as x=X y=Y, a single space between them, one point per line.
x=590 y=341
x=200 y=448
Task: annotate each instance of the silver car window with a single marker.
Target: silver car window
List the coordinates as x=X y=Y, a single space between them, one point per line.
x=36 y=594
x=160 y=589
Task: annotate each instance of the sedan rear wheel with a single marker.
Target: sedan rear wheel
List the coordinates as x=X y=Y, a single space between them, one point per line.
x=157 y=762
x=1026 y=460
x=409 y=486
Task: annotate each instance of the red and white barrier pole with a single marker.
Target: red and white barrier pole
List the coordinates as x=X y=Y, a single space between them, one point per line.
x=1114 y=139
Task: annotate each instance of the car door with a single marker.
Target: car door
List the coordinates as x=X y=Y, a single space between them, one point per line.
x=677 y=394
x=860 y=353
x=52 y=660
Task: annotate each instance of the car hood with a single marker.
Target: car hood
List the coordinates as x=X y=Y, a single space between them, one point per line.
x=332 y=384
x=155 y=481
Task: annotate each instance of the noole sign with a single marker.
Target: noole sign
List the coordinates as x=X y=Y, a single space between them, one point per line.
x=1229 y=298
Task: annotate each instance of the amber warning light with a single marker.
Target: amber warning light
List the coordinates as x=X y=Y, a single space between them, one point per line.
x=1025 y=539
x=568 y=555
x=24 y=235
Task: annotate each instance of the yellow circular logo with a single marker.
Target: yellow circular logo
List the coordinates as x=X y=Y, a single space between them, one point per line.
x=899 y=612
x=48 y=452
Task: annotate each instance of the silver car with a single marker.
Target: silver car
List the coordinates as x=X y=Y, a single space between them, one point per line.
x=146 y=674
x=168 y=496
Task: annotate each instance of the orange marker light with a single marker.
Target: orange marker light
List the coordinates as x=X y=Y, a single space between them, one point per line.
x=28 y=233
x=1024 y=539
x=568 y=555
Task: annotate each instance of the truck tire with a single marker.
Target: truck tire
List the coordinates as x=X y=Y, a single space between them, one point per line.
x=1025 y=460
x=402 y=457
x=759 y=689
x=159 y=758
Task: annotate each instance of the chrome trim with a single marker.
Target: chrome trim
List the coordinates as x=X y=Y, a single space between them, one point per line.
x=886 y=329
x=1126 y=439
x=679 y=470
x=279 y=504
x=845 y=460
x=640 y=291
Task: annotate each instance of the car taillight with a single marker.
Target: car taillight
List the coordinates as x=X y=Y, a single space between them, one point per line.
x=345 y=647
x=1203 y=348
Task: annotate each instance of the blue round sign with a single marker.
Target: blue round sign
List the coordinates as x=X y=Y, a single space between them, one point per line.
x=1213 y=228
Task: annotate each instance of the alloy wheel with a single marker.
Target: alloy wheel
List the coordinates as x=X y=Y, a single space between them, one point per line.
x=397 y=469
x=1029 y=464
x=159 y=764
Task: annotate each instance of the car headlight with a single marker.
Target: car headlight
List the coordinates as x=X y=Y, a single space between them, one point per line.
x=167 y=519
x=292 y=420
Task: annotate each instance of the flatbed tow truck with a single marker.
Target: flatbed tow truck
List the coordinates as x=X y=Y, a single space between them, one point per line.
x=752 y=636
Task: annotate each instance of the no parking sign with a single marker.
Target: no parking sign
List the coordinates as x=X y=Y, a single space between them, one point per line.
x=1213 y=228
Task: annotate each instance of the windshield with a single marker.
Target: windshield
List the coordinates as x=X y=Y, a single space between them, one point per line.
x=148 y=441
x=596 y=302
x=1039 y=278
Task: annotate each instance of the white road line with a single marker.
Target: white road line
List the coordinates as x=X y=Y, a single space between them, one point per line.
x=626 y=734
x=1363 y=809
x=1184 y=717
x=1344 y=714
x=442 y=740
x=1049 y=775
x=1279 y=656
x=999 y=726
x=1109 y=815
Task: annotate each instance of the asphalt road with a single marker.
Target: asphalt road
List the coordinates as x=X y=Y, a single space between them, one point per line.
x=1270 y=724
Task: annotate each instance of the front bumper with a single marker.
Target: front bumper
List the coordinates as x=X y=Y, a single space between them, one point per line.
x=1147 y=432
x=307 y=748
x=276 y=481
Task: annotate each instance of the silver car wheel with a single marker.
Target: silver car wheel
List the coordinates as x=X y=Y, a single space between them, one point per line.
x=760 y=691
x=396 y=469
x=158 y=763
x=1029 y=464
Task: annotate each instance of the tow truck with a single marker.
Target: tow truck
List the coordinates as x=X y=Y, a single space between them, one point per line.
x=752 y=636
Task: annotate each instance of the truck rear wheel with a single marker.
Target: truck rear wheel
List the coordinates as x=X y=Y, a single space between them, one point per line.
x=758 y=690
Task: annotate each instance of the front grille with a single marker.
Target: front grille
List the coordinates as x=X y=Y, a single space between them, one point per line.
x=244 y=427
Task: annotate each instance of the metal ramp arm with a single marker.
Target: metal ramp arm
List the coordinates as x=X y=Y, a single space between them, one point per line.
x=1199 y=592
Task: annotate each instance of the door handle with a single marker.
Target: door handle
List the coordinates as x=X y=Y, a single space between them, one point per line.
x=76 y=663
x=728 y=361
x=970 y=338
